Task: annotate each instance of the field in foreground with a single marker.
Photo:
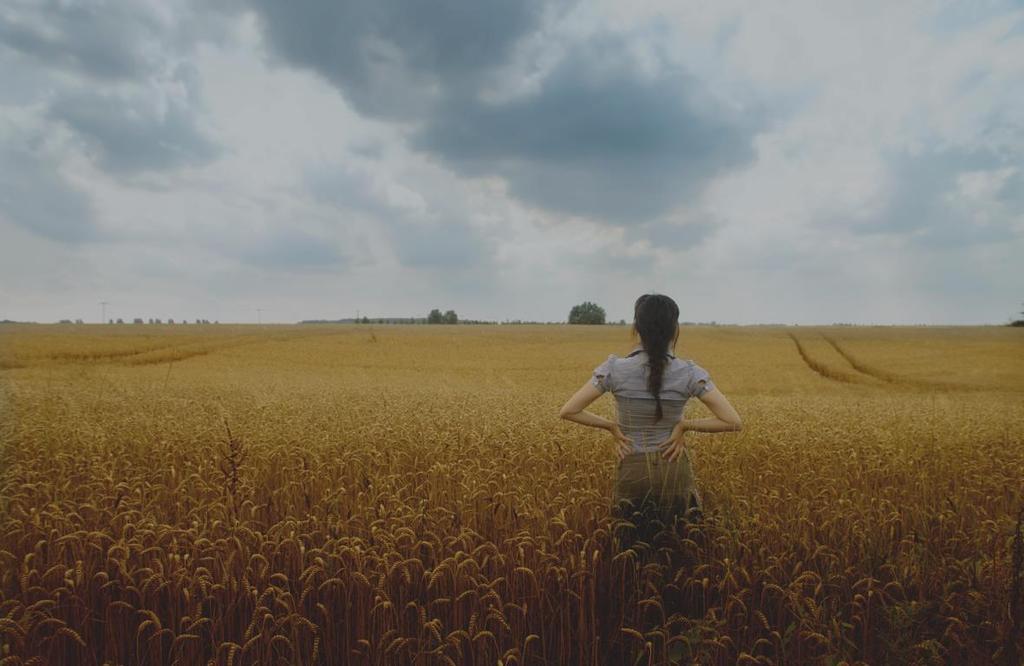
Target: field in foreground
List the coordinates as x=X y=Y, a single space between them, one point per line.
x=407 y=494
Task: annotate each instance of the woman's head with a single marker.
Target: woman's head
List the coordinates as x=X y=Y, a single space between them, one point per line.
x=656 y=322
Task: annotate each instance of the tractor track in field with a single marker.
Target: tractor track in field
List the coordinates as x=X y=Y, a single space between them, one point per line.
x=820 y=368
x=871 y=376
x=152 y=356
x=865 y=369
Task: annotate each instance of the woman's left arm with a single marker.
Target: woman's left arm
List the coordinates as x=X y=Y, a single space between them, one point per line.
x=573 y=411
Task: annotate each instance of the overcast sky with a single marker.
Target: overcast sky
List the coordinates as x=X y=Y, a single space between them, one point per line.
x=759 y=162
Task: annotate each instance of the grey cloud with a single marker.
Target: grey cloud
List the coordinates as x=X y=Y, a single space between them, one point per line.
x=444 y=246
x=391 y=56
x=129 y=133
x=347 y=187
x=289 y=249
x=607 y=261
x=917 y=205
x=434 y=238
x=675 y=235
x=34 y=195
x=955 y=18
x=23 y=86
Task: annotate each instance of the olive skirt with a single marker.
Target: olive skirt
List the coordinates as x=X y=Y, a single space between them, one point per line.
x=652 y=494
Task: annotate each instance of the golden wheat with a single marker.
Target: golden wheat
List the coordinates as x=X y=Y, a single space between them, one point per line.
x=406 y=495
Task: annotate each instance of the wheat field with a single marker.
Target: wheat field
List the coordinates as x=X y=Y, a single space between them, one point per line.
x=354 y=494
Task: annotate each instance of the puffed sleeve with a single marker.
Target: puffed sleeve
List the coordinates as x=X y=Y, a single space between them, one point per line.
x=602 y=377
x=700 y=381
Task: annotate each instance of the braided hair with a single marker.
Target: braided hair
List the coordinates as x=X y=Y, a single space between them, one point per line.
x=656 y=321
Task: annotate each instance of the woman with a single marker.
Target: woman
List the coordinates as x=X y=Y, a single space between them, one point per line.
x=655 y=485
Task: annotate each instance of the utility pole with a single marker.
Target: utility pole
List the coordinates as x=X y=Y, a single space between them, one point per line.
x=259 y=312
x=103 y=310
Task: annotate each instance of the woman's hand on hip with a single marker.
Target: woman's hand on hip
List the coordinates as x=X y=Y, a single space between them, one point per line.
x=623 y=444
x=675 y=445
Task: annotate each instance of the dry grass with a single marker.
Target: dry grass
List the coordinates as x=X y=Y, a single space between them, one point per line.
x=366 y=495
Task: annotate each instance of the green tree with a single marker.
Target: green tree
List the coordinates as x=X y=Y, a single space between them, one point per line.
x=450 y=317
x=586 y=313
x=435 y=317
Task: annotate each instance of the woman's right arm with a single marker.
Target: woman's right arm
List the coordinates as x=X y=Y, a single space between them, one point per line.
x=725 y=420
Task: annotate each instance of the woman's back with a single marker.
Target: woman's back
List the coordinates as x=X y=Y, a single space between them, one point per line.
x=626 y=378
x=654 y=480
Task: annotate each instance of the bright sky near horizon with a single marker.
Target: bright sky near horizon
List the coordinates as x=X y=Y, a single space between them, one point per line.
x=798 y=162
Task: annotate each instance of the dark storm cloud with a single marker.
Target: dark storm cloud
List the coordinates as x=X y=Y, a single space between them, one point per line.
x=389 y=55
x=107 y=41
x=129 y=133
x=34 y=196
x=120 y=39
x=600 y=138
x=113 y=72
x=925 y=200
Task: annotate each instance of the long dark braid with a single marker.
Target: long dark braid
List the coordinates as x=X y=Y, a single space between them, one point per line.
x=656 y=321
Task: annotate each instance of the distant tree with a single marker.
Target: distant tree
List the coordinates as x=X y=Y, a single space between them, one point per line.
x=170 y=321
x=120 y=321
x=64 y=321
x=622 y=322
x=1018 y=322
x=450 y=317
x=586 y=313
x=366 y=320
x=137 y=320
x=435 y=317
x=157 y=321
x=79 y=321
x=111 y=321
